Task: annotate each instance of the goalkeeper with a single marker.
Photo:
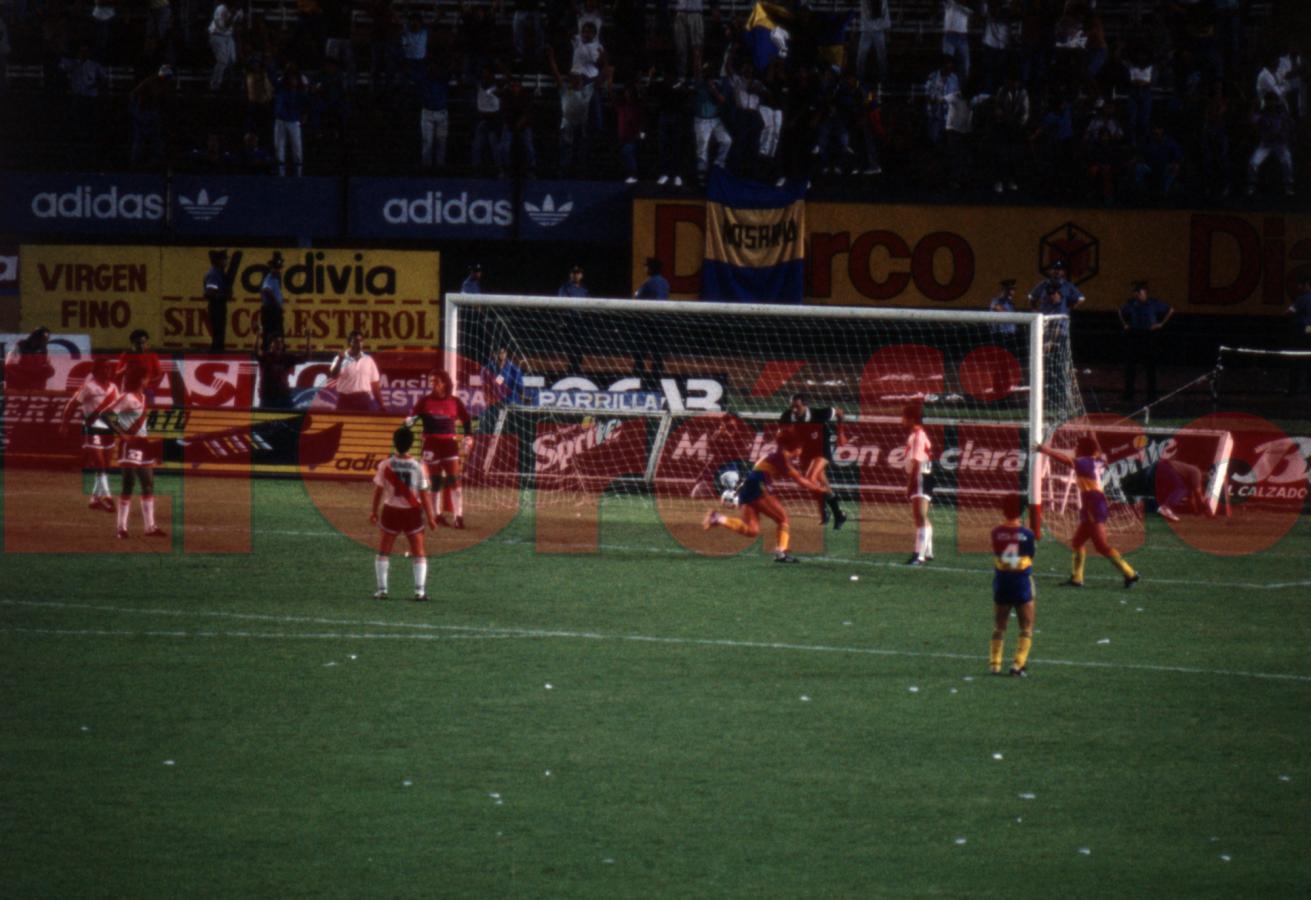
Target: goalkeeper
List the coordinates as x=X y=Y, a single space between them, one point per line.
x=820 y=430
x=439 y=410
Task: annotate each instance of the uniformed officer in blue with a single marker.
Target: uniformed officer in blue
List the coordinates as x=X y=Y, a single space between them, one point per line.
x=1143 y=317
x=218 y=291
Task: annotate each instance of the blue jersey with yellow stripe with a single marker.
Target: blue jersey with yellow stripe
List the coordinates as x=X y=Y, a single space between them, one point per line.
x=1013 y=547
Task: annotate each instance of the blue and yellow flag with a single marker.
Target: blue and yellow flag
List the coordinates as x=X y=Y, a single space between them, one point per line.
x=764 y=37
x=755 y=241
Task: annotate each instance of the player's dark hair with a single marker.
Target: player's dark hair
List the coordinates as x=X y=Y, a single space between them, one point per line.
x=402 y=439
x=801 y=397
x=139 y=335
x=355 y=334
x=441 y=376
x=1012 y=505
x=1085 y=446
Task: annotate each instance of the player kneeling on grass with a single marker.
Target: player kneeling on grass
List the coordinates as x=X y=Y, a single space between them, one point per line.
x=402 y=489
x=137 y=454
x=755 y=499
x=1012 y=586
x=439 y=410
x=1089 y=464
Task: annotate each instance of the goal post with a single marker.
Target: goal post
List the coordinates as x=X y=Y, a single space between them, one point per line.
x=636 y=397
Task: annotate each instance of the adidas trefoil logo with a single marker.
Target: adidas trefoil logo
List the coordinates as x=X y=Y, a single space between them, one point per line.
x=548 y=215
x=202 y=209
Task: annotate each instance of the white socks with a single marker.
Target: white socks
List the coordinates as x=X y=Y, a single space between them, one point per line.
x=380 y=566
x=148 y=512
x=421 y=564
x=124 y=507
x=100 y=487
x=457 y=501
x=928 y=541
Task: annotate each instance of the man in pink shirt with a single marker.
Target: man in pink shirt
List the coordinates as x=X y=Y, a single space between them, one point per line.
x=358 y=381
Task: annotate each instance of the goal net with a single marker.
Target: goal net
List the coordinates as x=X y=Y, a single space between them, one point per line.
x=580 y=398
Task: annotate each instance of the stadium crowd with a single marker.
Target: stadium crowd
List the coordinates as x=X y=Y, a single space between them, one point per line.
x=1086 y=100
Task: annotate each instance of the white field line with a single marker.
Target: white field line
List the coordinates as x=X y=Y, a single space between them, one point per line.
x=430 y=628
x=258 y=635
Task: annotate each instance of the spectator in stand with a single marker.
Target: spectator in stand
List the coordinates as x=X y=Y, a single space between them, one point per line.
x=528 y=30
x=708 y=101
x=875 y=21
x=290 y=107
x=104 y=33
x=689 y=38
x=222 y=42
x=146 y=103
x=27 y=364
x=1274 y=137
x=1142 y=75
x=1159 y=162
x=1105 y=151
x=629 y=130
x=1069 y=47
x=589 y=60
x=959 y=127
x=487 y=130
x=1010 y=117
x=384 y=34
x=473 y=282
x=832 y=147
x=956 y=35
x=1037 y=36
x=1300 y=333
x=476 y=38
x=359 y=384
x=671 y=104
x=1142 y=317
x=941 y=84
x=255 y=160
x=258 y=117
x=87 y=80
x=518 y=153
x=329 y=102
x=1269 y=80
x=414 y=49
x=998 y=42
x=575 y=124
x=434 y=116
x=871 y=129
x=1216 y=175
x=1292 y=72
x=1055 y=137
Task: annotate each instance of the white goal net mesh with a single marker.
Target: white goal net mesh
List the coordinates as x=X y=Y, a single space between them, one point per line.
x=583 y=400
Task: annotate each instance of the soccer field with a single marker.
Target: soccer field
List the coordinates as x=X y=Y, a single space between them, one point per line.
x=644 y=722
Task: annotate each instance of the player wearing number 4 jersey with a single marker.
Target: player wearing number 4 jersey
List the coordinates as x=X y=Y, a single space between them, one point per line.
x=92 y=400
x=1012 y=586
x=137 y=453
x=1088 y=465
x=402 y=501
x=439 y=410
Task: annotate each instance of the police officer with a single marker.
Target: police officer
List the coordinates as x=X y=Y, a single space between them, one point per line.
x=1142 y=317
x=1005 y=335
x=473 y=284
x=270 y=293
x=218 y=291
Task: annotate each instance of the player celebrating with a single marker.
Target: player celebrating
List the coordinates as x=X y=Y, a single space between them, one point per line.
x=755 y=498
x=1088 y=464
x=818 y=442
x=137 y=454
x=1012 y=586
x=438 y=410
x=96 y=395
x=402 y=490
x=919 y=481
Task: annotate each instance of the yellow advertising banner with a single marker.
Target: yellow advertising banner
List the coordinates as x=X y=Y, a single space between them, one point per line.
x=953 y=257
x=392 y=296
x=104 y=292
x=108 y=292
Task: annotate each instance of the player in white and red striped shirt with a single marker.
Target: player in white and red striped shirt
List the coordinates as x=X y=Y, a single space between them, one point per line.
x=92 y=400
x=137 y=453
x=402 y=493
x=919 y=481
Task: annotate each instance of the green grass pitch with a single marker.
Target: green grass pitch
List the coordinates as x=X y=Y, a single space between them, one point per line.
x=643 y=722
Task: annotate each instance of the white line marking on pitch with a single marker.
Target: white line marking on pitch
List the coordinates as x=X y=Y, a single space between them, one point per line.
x=644 y=639
x=259 y=635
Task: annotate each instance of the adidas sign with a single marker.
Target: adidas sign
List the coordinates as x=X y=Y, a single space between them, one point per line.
x=86 y=203
x=433 y=208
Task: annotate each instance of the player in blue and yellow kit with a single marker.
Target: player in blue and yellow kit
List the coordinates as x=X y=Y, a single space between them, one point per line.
x=755 y=499
x=1012 y=586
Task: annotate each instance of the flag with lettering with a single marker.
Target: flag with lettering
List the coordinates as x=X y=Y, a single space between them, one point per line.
x=755 y=241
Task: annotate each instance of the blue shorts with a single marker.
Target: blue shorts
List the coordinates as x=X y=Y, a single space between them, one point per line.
x=1012 y=588
x=1094 y=509
x=752 y=489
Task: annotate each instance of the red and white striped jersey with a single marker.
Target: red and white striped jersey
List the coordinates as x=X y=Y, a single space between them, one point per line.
x=94 y=397
x=131 y=412
x=402 y=479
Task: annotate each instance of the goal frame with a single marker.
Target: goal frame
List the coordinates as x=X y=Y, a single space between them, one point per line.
x=1034 y=323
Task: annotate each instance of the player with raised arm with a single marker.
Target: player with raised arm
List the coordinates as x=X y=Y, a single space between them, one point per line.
x=439 y=410
x=1089 y=464
x=755 y=498
x=820 y=430
x=919 y=481
x=402 y=502
x=1012 y=586
x=137 y=453
x=92 y=400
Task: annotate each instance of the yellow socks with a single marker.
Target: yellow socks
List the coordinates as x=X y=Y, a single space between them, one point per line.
x=995 y=650
x=783 y=536
x=1022 y=649
x=736 y=525
x=1076 y=565
x=1118 y=561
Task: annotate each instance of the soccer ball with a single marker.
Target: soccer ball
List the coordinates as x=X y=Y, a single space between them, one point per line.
x=729 y=498
x=728 y=480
